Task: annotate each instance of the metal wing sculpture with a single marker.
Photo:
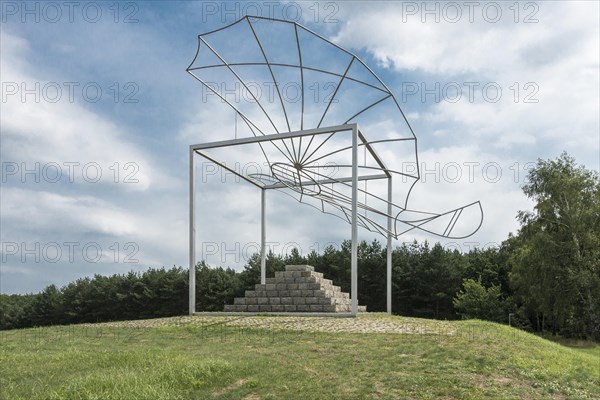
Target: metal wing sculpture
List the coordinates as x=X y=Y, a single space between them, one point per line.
x=281 y=77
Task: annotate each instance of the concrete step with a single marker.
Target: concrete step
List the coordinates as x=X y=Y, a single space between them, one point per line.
x=276 y=300
x=291 y=308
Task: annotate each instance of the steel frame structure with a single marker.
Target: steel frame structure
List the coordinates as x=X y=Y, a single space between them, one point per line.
x=290 y=175
x=354 y=179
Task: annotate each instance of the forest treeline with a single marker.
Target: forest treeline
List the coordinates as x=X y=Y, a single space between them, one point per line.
x=426 y=279
x=547 y=276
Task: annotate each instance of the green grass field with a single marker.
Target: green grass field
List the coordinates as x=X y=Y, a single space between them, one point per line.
x=472 y=360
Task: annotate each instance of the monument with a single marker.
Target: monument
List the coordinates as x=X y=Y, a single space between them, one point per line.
x=332 y=136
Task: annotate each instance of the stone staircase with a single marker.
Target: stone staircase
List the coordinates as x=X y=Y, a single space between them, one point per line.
x=297 y=289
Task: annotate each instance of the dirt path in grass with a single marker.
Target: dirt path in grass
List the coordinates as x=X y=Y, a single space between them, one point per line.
x=374 y=323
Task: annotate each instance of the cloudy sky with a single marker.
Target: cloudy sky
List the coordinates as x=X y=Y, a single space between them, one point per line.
x=97 y=114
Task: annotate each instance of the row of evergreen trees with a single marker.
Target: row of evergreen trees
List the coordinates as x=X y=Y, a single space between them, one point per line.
x=425 y=281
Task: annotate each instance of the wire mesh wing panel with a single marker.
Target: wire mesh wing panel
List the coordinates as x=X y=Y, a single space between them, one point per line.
x=280 y=77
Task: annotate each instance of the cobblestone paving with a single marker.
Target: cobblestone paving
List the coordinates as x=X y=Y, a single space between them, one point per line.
x=366 y=323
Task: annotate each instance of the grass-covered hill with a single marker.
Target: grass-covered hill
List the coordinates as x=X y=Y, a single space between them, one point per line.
x=372 y=356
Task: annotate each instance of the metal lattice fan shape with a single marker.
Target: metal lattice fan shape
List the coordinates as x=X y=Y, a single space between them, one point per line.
x=280 y=77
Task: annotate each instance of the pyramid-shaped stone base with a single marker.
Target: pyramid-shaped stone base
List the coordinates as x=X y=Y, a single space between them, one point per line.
x=297 y=289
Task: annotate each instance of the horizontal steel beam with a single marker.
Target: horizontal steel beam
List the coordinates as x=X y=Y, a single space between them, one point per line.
x=273 y=137
x=332 y=180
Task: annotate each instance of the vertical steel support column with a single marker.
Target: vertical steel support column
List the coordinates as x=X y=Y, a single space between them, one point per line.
x=263 y=237
x=389 y=249
x=192 y=270
x=354 y=247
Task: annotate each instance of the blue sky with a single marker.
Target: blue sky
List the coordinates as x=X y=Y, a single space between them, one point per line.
x=57 y=226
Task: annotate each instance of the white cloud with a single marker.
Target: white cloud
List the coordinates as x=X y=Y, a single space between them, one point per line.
x=555 y=60
x=403 y=41
x=37 y=130
x=48 y=211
